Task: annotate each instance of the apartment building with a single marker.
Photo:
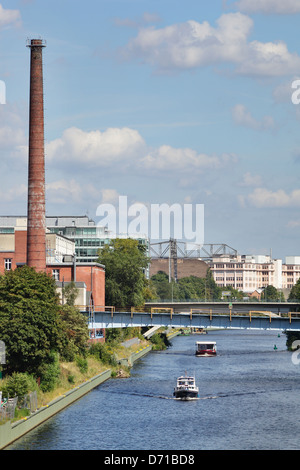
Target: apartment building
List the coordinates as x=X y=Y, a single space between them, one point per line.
x=290 y=271
x=248 y=273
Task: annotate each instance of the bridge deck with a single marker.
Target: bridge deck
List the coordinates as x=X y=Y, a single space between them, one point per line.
x=260 y=320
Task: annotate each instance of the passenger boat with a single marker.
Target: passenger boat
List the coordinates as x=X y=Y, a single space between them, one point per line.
x=186 y=388
x=206 y=348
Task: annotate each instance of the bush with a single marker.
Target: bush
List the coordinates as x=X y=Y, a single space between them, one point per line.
x=103 y=354
x=49 y=374
x=82 y=364
x=18 y=384
x=291 y=336
x=71 y=379
x=160 y=342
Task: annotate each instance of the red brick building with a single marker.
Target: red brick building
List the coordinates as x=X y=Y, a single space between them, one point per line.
x=89 y=278
x=185 y=267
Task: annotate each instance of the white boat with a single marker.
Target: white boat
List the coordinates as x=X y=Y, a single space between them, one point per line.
x=186 y=388
x=206 y=348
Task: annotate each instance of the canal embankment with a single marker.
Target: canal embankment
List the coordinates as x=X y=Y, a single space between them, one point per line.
x=11 y=431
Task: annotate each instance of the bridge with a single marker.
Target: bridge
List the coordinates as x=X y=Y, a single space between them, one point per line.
x=228 y=318
x=225 y=306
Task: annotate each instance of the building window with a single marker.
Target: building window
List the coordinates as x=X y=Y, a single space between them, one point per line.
x=55 y=274
x=7 y=264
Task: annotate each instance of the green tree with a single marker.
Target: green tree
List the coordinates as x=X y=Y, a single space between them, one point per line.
x=69 y=293
x=74 y=333
x=295 y=292
x=186 y=288
x=270 y=293
x=162 y=286
x=213 y=291
x=29 y=312
x=125 y=261
x=235 y=294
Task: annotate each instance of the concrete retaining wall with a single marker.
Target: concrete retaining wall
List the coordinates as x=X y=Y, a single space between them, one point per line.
x=9 y=432
x=135 y=356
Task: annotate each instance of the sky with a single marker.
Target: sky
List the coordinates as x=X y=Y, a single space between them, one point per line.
x=164 y=102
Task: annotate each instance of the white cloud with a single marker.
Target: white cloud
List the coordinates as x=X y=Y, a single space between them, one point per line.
x=12 y=128
x=95 y=148
x=183 y=159
x=74 y=191
x=268 y=59
x=251 y=180
x=263 y=198
x=8 y=17
x=119 y=148
x=15 y=193
x=191 y=44
x=243 y=117
x=269 y=6
x=62 y=190
x=109 y=196
x=13 y=138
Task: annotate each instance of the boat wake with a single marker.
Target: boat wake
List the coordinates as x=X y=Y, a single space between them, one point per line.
x=209 y=397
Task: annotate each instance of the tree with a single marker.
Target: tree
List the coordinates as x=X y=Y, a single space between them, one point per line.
x=235 y=294
x=162 y=286
x=295 y=292
x=186 y=288
x=270 y=293
x=70 y=293
x=74 y=333
x=125 y=262
x=191 y=288
x=29 y=312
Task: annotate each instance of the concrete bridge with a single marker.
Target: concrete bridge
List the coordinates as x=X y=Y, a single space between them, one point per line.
x=108 y=317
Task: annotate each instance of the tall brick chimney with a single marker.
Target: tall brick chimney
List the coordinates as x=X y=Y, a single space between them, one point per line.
x=36 y=224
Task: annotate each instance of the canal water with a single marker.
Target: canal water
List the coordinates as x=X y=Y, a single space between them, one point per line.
x=249 y=399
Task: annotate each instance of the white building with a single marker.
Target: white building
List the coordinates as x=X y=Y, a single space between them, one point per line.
x=290 y=271
x=248 y=273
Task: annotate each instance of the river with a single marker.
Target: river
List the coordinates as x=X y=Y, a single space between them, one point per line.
x=249 y=399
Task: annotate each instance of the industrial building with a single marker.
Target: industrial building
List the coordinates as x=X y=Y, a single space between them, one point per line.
x=60 y=258
x=88 y=236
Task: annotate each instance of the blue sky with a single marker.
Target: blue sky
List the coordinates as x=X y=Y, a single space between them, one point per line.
x=164 y=102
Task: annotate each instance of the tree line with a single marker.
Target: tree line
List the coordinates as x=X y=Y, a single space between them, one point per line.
x=125 y=263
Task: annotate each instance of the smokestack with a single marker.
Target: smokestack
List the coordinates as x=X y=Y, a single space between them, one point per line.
x=36 y=224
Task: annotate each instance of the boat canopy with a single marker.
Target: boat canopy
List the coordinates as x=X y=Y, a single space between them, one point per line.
x=206 y=344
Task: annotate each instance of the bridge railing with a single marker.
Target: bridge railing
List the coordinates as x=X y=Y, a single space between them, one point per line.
x=168 y=310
